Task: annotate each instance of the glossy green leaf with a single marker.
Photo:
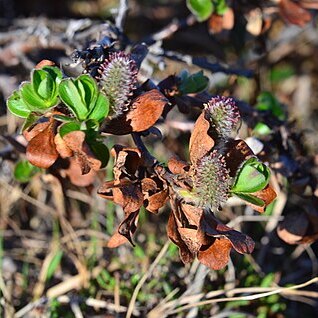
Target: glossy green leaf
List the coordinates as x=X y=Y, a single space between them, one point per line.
x=100 y=151
x=24 y=171
x=63 y=118
x=252 y=177
x=17 y=106
x=100 y=109
x=55 y=262
x=43 y=84
x=69 y=127
x=194 y=83
x=250 y=198
x=79 y=95
x=30 y=120
x=202 y=9
x=220 y=6
x=32 y=99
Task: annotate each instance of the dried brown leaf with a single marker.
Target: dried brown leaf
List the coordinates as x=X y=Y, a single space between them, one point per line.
x=144 y=111
x=41 y=150
x=74 y=173
x=267 y=195
x=61 y=147
x=174 y=235
x=200 y=142
x=177 y=166
x=75 y=141
x=217 y=255
x=190 y=238
x=116 y=240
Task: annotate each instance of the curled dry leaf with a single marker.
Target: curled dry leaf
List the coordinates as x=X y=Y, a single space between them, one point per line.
x=143 y=113
x=44 y=63
x=211 y=226
x=74 y=173
x=200 y=141
x=174 y=235
x=41 y=150
x=75 y=141
x=217 y=255
x=294 y=13
x=61 y=147
x=177 y=166
x=267 y=195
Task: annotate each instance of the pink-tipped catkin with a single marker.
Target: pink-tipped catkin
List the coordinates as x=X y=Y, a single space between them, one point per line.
x=118 y=79
x=224 y=115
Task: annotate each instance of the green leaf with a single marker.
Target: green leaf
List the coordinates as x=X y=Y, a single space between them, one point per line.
x=69 y=127
x=79 y=95
x=101 y=151
x=55 y=262
x=194 y=83
x=63 y=118
x=268 y=102
x=261 y=129
x=24 y=171
x=32 y=118
x=17 y=106
x=252 y=177
x=202 y=9
x=32 y=99
x=250 y=198
x=220 y=6
x=100 y=109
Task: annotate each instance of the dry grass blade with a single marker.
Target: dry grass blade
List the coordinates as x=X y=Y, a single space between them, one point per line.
x=279 y=290
x=144 y=278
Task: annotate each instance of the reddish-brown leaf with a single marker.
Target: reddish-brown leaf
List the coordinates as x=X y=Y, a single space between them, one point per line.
x=211 y=226
x=217 y=255
x=174 y=235
x=143 y=113
x=192 y=213
x=61 y=147
x=267 y=195
x=128 y=227
x=190 y=238
x=177 y=166
x=294 y=13
x=34 y=130
x=116 y=240
x=44 y=63
x=74 y=173
x=156 y=201
x=132 y=197
x=75 y=141
x=200 y=142
x=41 y=150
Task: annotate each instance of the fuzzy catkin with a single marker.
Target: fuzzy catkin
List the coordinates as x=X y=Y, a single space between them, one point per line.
x=118 y=79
